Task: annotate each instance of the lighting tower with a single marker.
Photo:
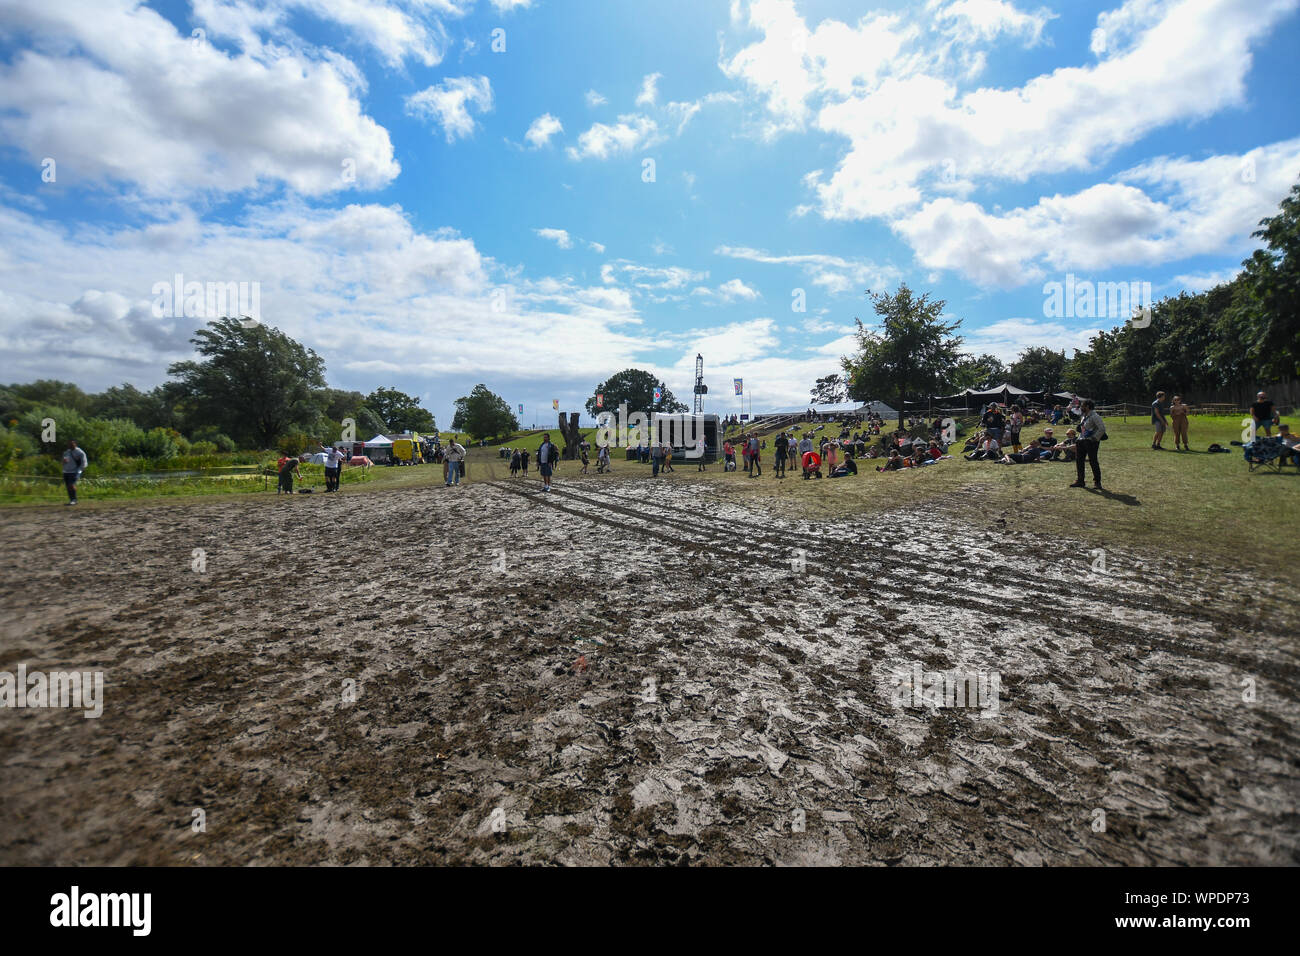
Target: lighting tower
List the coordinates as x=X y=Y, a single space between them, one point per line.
x=700 y=388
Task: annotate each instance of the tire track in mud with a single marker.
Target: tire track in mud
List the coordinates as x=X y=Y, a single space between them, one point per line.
x=1143 y=743
x=757 y=550
x=931 y=564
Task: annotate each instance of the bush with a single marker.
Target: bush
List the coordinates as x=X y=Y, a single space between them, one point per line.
x=210 y=433
x=157 y=444
x=294 y=444
x=16 y=449
x=203 y=448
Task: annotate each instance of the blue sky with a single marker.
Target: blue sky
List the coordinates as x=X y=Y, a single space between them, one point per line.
x=428 y=211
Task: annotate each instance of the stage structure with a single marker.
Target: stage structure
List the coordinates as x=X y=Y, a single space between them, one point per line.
x=700 y=388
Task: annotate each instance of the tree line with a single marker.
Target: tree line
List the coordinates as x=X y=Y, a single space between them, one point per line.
x=1239 y=333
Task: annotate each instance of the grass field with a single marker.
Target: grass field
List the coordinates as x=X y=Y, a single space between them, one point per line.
x=1193 y=503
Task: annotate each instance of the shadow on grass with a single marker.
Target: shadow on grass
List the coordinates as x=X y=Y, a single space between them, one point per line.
x=1129 y=500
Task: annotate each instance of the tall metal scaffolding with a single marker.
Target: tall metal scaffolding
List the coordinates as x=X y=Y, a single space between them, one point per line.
x=700 y=388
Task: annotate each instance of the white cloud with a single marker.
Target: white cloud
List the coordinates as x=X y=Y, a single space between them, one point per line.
x=603 y=140
x=980 y=21
x=448 y=104
x=594 y=99
x=729 y=291
x=116 y=95
x=542 y=129
x=649 y=90
x=835 y=274
x=907 y=122
x=1007 y=338
x=1165 y=210
x=359 y=284
x=558 y=236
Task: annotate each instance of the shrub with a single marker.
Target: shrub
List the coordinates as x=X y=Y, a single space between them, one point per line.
x=294 y=444
x=157 y=444
x=203 y=448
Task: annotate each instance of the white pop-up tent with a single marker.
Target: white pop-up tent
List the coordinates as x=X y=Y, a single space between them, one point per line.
x=379 y=441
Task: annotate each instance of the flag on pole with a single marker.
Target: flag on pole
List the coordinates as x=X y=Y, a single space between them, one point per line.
x=521 y=408
x=600 y=400
x=740 y=385
x=659 y=395
x=555 y=404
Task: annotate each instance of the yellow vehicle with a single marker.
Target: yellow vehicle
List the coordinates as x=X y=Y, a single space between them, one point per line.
x=406 y=451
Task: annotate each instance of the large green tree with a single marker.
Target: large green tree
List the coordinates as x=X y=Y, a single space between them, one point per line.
x=254 y=382
x=911 y=354
x=976 y=371
x=1039 y=369
x=829 y=390
x=399 y=411
x=483 y=414
x=635 y=388
x=1264 y=320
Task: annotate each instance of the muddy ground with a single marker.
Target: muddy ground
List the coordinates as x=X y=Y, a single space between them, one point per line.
x=726 y=688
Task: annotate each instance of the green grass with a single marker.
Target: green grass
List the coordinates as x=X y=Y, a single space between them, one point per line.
x=1191 y=503
x=1184 y=502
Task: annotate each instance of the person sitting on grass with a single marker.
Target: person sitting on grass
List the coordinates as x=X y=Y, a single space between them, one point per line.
x=846 y=468
x=1065 y=451
x=894 y=463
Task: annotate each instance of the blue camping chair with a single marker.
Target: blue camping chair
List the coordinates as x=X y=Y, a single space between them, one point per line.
x=1265 y=453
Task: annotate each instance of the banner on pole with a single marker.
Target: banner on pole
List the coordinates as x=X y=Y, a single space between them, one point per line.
x=555 y=404
x=740 y=385
x=659 y=395
x=521 y=408
x=600 y=401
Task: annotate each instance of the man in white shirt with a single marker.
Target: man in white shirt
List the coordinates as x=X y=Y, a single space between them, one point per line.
x=333 y=468
x=454 y=456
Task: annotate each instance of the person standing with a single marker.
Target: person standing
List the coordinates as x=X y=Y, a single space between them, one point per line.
x=755 y=457
x=1178 y=413
x=1092 y=432
x=1264 y=414
x=547 y=456
x=455 y=456
x=780 y=450
x=524 y=455
x=728 y=456
x=1160 y=421
x=656 y=458
x=74 y=463
x=288 y=469
x=333 y=468
x=700 y=450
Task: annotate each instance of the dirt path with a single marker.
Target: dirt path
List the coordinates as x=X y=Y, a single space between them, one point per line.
x=737 y=705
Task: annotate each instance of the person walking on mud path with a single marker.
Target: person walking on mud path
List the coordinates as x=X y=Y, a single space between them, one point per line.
x=455 y=456
x=1092 y=432
x=699 y=450
x=74 y=463
x=755 y=457
x=514 y=463
x=780 y=448
x=547 y=456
